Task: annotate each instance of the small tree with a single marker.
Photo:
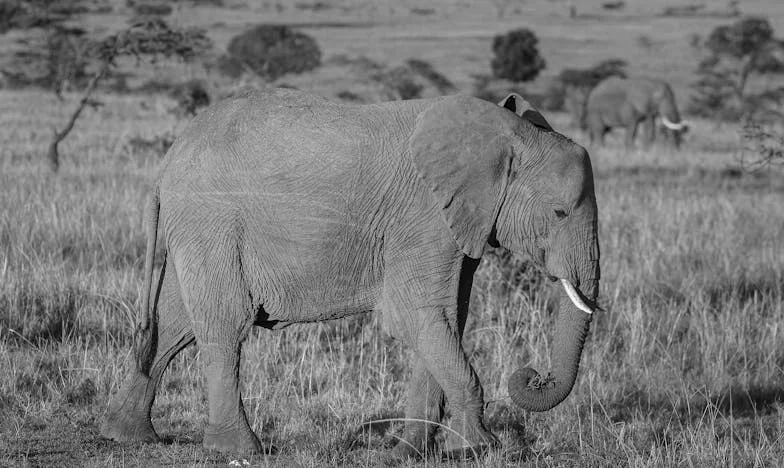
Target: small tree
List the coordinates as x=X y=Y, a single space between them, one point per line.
x=516 y=56
x=145 y=37
x=60 y=57
x=270 y=51
x=735 y=53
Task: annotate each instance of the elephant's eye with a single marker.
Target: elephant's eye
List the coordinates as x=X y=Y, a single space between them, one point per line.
x=560 y=214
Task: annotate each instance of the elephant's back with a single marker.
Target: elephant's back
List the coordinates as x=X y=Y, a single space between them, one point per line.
x=266 y=134
x=612 y=87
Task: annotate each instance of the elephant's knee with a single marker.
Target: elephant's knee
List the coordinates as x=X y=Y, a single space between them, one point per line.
x=398 y=327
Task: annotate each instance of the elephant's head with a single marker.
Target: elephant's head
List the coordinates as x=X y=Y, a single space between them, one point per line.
x=506 y=178
x=674 y=127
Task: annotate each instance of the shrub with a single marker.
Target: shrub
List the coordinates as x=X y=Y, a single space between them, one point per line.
x=155 y=9
x=493 y=90
x=401 y=82
x=765 y=142
x=426 y=71
x=190 y=97
x=11 y=15
x=157 y=145
x=229 y=66
x=516 y=56
x=349 y=96
x=56 y=59
x=412 y=80
x=26 y=14
x=271 y=51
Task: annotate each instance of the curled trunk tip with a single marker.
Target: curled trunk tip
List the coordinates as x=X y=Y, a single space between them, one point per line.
x=534 y=392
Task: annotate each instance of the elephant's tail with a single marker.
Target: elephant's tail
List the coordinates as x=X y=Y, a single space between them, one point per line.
x=146 y=331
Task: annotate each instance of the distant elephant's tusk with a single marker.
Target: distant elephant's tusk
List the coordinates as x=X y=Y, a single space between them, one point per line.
x=572 y=293
x=671 y=125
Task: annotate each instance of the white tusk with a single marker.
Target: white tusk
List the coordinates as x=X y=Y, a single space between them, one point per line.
x=575 y=297
x=672 y=125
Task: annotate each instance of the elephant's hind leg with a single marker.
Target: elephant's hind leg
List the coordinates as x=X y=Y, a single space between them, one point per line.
x=128 y=418
x=220 y=305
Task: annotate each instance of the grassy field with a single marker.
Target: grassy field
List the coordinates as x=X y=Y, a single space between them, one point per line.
x=684 y=366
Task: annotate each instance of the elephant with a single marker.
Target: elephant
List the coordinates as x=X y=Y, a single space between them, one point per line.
x=627 y=102
x=279 y=207
x=574 y=103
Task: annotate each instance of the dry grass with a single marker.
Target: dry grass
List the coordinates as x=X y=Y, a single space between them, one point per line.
x=685 y=365
x=683 y=368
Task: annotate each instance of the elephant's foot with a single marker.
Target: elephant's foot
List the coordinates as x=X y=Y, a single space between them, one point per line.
x=417 y=441
x=128 y=428
x=128 y=417
x=234 y=440
x=469 y=446
x=405 y=449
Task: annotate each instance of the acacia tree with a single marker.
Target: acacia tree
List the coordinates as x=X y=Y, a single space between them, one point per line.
x=736 y=52
x=61 y=57
x=147 y=37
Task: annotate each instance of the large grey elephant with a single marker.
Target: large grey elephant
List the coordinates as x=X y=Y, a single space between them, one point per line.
x=629 y=102
x=280 y=207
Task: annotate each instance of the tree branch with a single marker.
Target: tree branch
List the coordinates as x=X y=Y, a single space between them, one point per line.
x=53 y=155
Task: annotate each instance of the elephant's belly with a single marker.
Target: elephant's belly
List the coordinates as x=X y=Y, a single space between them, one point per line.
x=264 y=320
x=284 y=306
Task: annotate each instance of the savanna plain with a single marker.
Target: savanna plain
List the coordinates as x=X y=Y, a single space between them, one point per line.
x=684 y=366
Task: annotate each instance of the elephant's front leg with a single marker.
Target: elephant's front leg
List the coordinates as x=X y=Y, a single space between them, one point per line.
x=424 y=410
x=439 y=347
x=650 y=130
x=426 y=307
x=631 y=133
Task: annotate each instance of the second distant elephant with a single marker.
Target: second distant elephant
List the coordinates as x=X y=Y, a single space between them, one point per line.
x=629 y=102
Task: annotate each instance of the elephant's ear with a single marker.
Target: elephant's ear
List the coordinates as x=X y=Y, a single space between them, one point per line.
x=515 y=103
x=462 y=149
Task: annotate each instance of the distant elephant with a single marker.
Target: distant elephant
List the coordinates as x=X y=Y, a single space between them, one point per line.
x=574 y=103
x=629 y=102
x=280 y=207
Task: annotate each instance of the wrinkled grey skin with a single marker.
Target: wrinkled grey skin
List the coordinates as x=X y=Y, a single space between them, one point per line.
x=280 y=207
x=629 y=102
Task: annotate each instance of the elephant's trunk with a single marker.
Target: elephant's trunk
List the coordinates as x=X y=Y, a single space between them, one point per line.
x=536 y=393
x=668 y=111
